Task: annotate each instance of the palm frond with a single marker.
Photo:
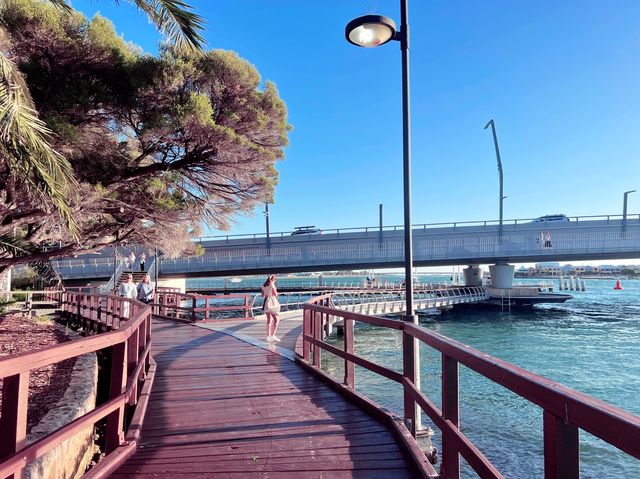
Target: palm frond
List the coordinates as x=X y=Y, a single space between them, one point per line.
x=174 y=19
x=62 y=4
x=24 y=144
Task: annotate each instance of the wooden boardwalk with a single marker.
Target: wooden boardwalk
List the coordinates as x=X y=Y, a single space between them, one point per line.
x=223 y=408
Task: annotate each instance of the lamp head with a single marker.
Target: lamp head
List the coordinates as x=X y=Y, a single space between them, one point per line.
x=370 y=31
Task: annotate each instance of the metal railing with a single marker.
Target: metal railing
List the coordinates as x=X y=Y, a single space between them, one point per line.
x=126 y=333
x=451 y=224
x=565 y=411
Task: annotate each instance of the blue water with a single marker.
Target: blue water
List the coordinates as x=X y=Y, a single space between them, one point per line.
x=589 y=343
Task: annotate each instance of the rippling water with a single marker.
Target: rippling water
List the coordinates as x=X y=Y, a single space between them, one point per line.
x=589 y=343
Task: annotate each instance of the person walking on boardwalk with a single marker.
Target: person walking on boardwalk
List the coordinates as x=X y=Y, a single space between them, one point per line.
x=145 y=290
x=132 y=261
x=143 y=258
x=127 y=290
x=271 y=307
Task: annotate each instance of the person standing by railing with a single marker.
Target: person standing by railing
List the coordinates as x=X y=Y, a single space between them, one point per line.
x=271 y=307
x=145 y=290
x=127 y=290
x=132 y=261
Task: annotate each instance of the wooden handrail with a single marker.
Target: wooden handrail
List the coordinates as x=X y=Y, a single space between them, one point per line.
x=129 y=341
x=565 y=410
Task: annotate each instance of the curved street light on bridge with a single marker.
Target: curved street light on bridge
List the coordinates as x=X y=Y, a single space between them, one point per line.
x=372 y=31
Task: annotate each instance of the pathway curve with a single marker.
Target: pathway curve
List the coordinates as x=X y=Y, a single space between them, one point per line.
x=221 y=407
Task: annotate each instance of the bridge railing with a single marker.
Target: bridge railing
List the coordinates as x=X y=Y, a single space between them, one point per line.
x=126 y=327
x=467 y=248
x=450 y=224
x=565 y=411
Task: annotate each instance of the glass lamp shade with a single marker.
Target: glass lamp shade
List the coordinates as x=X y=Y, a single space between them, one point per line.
x=370 y=31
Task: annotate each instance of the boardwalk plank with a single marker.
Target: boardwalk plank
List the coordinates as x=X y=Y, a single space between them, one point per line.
x=221 y=407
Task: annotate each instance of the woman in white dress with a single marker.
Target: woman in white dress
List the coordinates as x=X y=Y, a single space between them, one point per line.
x=271 y=307
x=127 y=290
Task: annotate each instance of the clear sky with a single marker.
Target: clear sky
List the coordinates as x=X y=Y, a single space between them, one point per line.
x=561 y=80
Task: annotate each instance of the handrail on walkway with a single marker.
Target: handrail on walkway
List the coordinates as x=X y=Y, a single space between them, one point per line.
x=125 y=327
x=565 y=411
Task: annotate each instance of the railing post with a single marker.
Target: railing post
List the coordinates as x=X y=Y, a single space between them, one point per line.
x=115 y=420
x=561 y=448
x=133 y=346
x=306 y=330
x=409 y=372
x=450 y=412
x=349 y=367
x=194 y=304
x=317 y=334
x=13 y=419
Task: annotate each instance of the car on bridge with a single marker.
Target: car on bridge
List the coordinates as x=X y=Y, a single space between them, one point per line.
x=306 y=230
x=552 y=219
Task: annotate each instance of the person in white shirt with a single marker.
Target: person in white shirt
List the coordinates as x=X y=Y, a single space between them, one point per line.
x=127 y=290
x=271 y=307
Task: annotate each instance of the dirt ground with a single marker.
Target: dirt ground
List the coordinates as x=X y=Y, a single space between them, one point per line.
x=47 y=385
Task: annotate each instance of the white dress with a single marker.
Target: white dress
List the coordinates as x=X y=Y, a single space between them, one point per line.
x=271 y=304
x=127 y=290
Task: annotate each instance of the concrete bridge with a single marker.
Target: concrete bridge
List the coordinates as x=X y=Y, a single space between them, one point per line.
x=523 y=241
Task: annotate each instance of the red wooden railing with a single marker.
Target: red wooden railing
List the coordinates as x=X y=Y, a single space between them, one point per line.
x=185 y=306
x=565 y=411
x=126 y=327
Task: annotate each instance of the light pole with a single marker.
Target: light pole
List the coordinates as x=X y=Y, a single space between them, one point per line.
x=502 y=197
x=371 y=31
x=266 y=219
x=624 y=210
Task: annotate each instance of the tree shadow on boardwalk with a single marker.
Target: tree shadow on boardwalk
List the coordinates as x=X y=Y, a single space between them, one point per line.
x=221 y=407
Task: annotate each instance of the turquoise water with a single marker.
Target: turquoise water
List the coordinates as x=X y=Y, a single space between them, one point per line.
x=589 y=343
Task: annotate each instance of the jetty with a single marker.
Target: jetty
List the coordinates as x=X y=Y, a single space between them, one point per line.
x=212 y=399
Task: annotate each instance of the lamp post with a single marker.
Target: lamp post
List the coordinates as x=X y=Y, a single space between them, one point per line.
x=624 y=210
x=502 y=197
x=371 y=31
x=266 y=218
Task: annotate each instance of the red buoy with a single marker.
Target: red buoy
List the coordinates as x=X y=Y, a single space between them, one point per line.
x=618 y=286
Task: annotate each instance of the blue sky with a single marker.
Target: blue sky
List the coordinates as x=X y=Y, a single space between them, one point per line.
x=561 y=80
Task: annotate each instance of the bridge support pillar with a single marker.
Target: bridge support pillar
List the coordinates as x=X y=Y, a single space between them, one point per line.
x=472 y=275
x=501 y=275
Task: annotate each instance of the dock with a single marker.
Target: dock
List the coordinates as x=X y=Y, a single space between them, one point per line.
x=222 y=407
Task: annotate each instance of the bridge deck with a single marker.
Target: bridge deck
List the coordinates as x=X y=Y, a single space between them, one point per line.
x=221 y=407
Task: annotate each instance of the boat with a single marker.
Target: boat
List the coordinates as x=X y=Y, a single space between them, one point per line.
x=235 y=280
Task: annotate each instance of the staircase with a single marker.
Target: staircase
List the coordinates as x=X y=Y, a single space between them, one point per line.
x=137 y=277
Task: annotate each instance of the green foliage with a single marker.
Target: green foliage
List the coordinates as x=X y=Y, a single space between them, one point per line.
x=158 y=144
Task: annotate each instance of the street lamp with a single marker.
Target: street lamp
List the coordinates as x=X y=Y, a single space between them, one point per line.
x=624 y=209
x=266 y=218
x=371 y=31
x=495 y=142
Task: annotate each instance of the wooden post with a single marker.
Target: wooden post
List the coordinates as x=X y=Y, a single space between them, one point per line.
x=13 y=419
x=317 y=334
x=246 y=307
x=132 y=359
x=349 y=367
x=306 y=329
x=115 y=420
x=193 y=309
x=450 y=412
x=561 y=448
x=409 y=372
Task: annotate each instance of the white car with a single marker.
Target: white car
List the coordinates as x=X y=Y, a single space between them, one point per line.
x=552 y=219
